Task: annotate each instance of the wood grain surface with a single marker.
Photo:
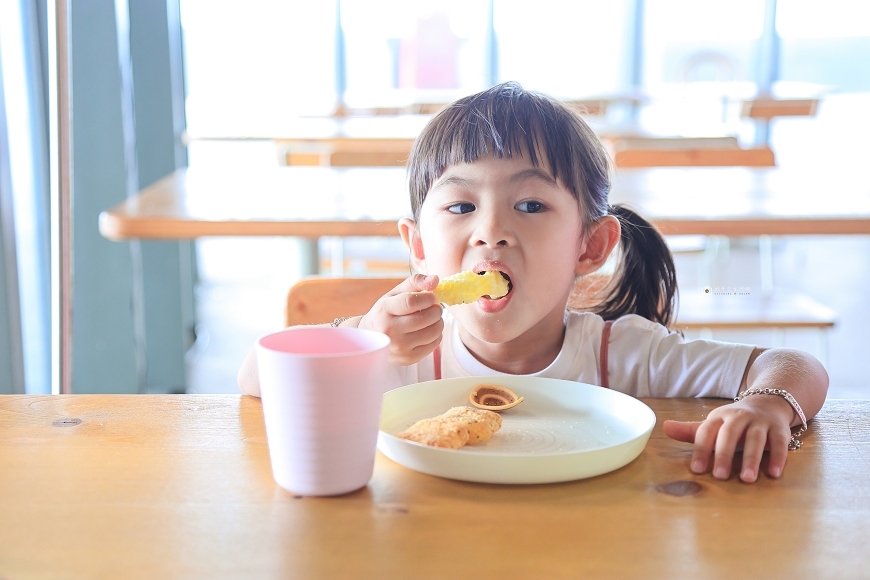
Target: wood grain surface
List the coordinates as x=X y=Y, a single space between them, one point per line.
x=179 y=486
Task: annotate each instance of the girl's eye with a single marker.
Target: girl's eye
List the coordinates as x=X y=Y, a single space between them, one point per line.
x=531 y=206
x=461 y=208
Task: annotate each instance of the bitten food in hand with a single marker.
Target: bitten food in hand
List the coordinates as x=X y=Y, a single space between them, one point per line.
x=466 y=287
x=455 y=428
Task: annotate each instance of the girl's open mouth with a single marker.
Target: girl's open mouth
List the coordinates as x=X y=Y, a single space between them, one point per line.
x=509 y=287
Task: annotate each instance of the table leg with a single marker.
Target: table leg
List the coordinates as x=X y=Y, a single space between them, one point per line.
x=336 y=255
x=309 y=256
x=765 y=253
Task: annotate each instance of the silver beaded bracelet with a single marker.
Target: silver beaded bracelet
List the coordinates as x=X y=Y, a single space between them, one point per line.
x=795 y=442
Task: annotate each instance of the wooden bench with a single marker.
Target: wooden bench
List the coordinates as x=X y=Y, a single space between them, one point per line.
x=696 y=157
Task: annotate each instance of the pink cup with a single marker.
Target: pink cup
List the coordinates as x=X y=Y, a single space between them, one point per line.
x=322 y=390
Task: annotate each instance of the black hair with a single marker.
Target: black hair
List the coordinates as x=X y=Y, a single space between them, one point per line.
x=506 y=121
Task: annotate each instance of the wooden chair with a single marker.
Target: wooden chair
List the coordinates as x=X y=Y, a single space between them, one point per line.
x=318 y=300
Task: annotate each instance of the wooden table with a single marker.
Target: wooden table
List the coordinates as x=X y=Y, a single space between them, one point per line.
x=179 y=486
x=320 y=201
x=387 y=140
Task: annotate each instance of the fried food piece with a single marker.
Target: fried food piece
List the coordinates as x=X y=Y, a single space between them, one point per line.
x=455 y=428
x=466 y=287
x=480 y=423
x=437 y=432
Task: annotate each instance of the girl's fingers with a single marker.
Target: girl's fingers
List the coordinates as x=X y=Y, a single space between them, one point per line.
x=408 y=303
x=418 y=320
x=410 y=355
x=705 y=440
x=423 y=336
x=726 y=444
x=681 y=430
x=405 y=348
x=421 y=351
x=753 y=449
x=779 y=438
x=415 y=283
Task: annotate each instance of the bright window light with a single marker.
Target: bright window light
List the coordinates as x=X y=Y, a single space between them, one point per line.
x=705 y=20
x=831 y=19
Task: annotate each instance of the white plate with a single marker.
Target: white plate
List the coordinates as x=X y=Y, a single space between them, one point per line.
x=562 y=431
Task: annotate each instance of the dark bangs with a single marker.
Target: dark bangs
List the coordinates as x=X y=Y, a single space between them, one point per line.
x=507 y=121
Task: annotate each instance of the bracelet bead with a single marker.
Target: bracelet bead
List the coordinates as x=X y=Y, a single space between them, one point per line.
x=795 y=443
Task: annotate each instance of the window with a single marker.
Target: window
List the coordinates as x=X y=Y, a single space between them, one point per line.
x=28 y=199
x=566 y=49
x=829 y=46
x=400 y=53
x=253 y=66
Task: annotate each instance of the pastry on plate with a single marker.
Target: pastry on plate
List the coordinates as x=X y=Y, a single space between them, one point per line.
x=455 y=428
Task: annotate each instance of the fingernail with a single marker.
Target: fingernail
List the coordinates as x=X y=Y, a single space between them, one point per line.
x=698 y=466
x=720 y=473
x=748 y=474
x=775 y=472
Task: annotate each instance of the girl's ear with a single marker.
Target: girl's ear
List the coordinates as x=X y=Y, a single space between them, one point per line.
x=601 y=237
x=411 y=237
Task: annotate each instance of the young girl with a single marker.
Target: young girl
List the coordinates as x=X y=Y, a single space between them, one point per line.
x=514 y=181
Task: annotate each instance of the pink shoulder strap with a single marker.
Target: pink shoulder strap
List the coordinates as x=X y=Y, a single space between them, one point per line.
x=605 y=343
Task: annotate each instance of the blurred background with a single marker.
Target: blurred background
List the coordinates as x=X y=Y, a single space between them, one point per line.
x=160 y=85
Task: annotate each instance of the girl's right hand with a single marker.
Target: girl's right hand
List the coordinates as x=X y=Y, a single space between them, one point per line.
x=409 y=315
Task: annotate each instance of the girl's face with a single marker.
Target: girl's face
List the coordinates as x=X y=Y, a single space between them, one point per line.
x=506 y=215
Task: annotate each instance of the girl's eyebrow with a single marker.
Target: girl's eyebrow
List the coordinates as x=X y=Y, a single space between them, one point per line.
x=453 y=180
x=530 y=173
x=533 y=173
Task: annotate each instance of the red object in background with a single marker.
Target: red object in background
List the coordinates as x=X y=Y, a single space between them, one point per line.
x=429 y=60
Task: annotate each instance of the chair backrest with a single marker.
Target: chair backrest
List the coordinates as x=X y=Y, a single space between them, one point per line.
x=317 y=300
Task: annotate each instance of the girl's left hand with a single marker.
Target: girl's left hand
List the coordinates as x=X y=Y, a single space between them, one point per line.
x=756 y=423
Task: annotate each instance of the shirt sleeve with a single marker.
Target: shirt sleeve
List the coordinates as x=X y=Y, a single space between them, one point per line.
x=646 y=360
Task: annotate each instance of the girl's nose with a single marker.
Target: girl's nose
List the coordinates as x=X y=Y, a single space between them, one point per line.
x=492 y=230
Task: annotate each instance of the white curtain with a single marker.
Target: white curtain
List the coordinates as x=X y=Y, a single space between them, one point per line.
x=25 y=363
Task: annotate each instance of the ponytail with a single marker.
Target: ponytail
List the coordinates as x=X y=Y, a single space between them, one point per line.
x=646 y=279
